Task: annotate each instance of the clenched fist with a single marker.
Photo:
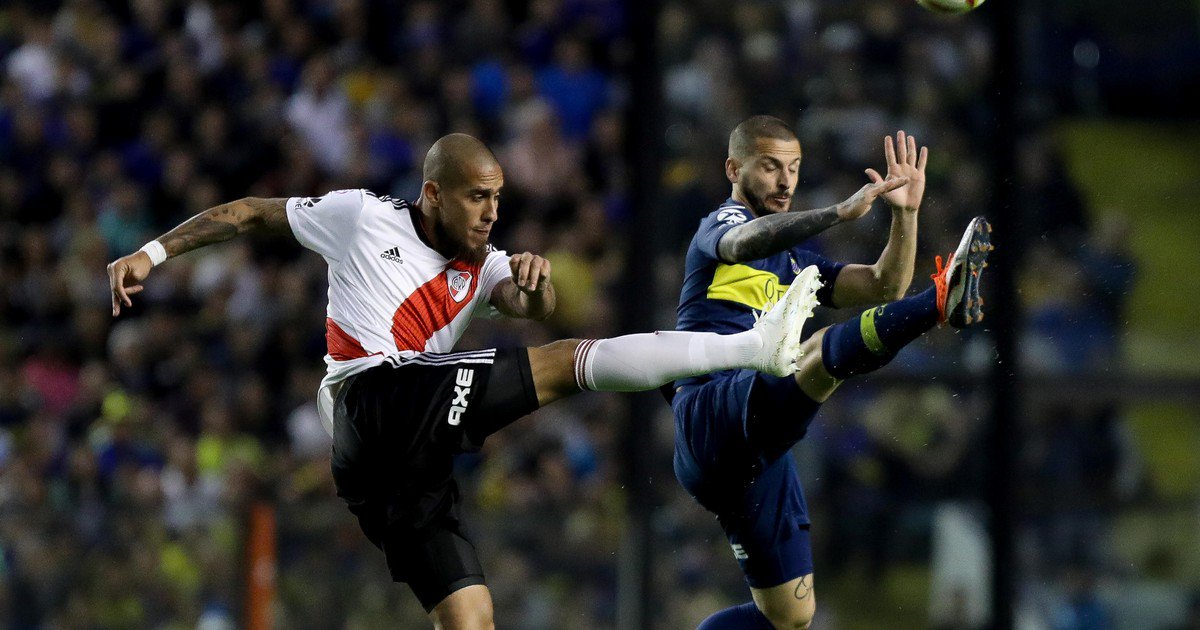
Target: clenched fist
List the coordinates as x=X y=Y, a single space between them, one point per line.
x=530 y=272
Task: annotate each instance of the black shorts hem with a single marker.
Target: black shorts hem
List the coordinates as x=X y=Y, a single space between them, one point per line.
x=448 y=590
x=510 y=395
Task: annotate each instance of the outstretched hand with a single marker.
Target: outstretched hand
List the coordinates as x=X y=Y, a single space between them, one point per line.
x=125 y=275
x=859 y=204
x=903 y=161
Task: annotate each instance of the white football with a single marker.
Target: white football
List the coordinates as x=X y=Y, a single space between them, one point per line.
x=950 y=6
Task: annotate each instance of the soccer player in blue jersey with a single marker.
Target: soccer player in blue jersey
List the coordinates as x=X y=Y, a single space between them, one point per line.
x=734 y=428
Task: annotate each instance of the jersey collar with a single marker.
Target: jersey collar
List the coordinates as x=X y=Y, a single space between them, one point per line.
x=414 y=213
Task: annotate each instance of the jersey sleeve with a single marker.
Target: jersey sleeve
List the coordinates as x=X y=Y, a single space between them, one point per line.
x=326 y=224
x=495 y=270
x=714 y=226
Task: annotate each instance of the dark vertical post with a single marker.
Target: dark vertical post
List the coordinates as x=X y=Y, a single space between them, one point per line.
x=1004 y=429
x=644 y=149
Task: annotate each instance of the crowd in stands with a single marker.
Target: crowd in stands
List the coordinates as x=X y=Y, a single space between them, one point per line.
x=132 y=448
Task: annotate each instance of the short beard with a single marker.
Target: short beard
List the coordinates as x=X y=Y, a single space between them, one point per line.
x=759 y=204
x=455 y=249
x=756 y=203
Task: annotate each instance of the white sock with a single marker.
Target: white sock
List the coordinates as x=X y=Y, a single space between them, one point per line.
x=634 y=363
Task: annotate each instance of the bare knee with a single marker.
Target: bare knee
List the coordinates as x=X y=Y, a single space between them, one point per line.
x=469 y=608
x=553 y=368
x=794 y=617
x=812 y=377
x=472 y=621
x=789 y=606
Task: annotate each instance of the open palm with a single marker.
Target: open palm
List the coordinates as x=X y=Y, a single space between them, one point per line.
x=903 y=160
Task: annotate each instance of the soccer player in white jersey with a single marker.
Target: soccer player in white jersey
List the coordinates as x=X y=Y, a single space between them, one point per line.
x=404 y=282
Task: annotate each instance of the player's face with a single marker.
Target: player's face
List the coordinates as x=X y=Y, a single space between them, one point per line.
x=469 y=210
x=768 y=178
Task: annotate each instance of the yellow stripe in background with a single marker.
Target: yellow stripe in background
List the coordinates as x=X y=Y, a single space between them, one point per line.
x=755 y=288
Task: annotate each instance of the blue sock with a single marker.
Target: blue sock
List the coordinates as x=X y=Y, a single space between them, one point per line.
x=744 y=617
x=868 y=342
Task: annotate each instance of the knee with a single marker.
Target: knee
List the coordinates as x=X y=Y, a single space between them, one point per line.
x=475 y=619
x=469 y=608
x=797 y=617
x=811 y=356
x=793 y=613
x=482 y=619
x=812 y=376
x=553 y=369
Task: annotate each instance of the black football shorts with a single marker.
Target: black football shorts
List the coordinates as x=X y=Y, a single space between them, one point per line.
x=397 y=428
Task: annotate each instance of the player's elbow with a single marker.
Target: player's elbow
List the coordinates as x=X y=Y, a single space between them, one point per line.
x=245 y=213
x=891 y=293
x=889 y=287
x=247 y=207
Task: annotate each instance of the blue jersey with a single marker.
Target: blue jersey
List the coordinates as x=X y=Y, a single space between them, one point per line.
x=733 y=429
x=727 y=298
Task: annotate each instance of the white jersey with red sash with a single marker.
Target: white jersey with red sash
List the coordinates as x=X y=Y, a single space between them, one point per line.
x=391 y=295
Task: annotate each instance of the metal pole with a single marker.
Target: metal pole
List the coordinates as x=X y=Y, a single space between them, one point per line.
x=1004 y=428
x=643 y=147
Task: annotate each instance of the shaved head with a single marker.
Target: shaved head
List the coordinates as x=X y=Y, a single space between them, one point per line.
x=455 y=158
x=742 y=142
x=460 y=196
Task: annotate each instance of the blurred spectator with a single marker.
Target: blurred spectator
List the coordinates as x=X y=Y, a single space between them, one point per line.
x=320 y=113
x=575 y=89
x=32 y=66
x=1081 y=608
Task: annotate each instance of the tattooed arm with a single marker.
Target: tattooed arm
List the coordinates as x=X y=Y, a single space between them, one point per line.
x=776 y=232
x=223 y=222
x=214 y=225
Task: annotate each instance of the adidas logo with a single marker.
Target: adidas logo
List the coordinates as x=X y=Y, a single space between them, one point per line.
x=393 y=255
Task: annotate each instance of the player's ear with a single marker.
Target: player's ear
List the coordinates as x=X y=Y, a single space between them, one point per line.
x=432 y=191
x=732 y=170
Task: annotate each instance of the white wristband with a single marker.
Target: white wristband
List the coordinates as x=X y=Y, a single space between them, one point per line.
x=155 y=251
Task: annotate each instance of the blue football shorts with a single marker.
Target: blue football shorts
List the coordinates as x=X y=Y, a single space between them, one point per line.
x=733 y=435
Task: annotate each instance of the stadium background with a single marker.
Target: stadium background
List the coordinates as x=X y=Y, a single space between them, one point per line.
x=142 y=460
